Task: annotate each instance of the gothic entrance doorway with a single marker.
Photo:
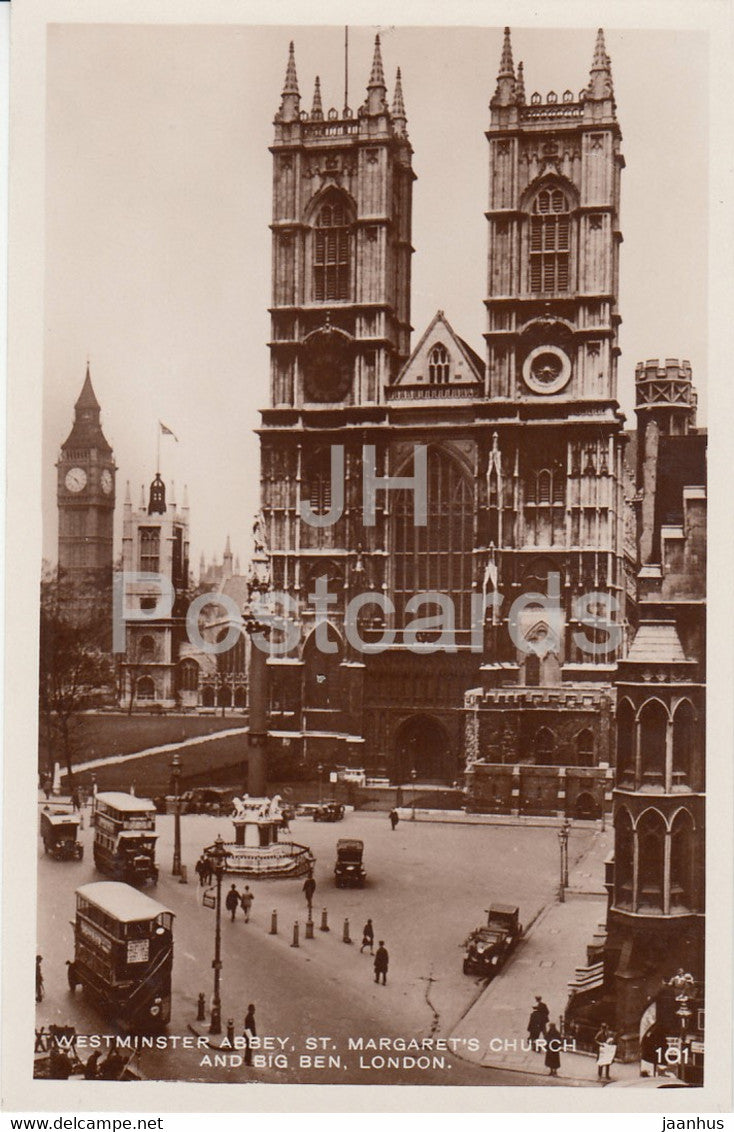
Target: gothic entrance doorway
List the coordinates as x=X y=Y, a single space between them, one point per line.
x=422 y=746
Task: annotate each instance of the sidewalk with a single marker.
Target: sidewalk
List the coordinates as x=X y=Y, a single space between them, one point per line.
x=544 y=964
x=461 y=817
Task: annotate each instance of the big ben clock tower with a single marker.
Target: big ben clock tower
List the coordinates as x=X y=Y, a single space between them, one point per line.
x=85 y=495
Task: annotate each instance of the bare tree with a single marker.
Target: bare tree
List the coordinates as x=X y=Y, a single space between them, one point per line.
x=74 y=664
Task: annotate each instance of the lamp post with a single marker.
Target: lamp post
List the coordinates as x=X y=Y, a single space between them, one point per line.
x=176 y=777
x=413 y=776
x=563 y=846
x=321 y=779
x=217 y=855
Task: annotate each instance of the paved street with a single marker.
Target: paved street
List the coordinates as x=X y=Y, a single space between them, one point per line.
x=427 y=886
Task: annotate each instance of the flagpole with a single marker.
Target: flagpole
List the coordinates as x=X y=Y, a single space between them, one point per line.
x=158 y=451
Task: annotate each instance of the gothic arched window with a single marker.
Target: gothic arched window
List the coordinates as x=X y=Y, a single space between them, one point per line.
x=681 y=861
x=550 y=242
x=146 y=688
x=437 y=556
x=317 y=483
x=438 y=365
x=683 y=732
x=331 y=259
x=546 y=485
x=545 y=747
x=585 y=747
x=532 y=670
x=623 y=858
x=651 y=849
x=653 y=731
x=188 y=676
x=150 y=540
x=146 y=647
x=625 y=741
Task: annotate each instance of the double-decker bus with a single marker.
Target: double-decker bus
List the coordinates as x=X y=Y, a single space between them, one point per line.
x=124 y=837
x=123 y=954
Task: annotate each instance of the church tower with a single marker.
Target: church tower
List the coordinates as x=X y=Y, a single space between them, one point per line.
x=554 y=472
x=342 y=187
x=85 y=495
x=155 y=543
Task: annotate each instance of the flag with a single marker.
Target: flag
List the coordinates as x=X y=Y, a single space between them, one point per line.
x=166 y=431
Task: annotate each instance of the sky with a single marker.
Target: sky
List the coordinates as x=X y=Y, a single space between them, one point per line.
x=158 y=200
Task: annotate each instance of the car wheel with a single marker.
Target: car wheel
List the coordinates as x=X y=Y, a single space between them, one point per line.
x=80 y=853
x=467 y=967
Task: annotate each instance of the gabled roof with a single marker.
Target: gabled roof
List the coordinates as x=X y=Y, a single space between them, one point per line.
x=467 y=366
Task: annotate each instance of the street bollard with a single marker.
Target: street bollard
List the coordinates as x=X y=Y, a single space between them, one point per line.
x=274 y=923
x=184 y=878
x=201 y=1008
x=295 y=935
x=346 y=936
x=309 y=928
x=230 y=1032
x=324 y=922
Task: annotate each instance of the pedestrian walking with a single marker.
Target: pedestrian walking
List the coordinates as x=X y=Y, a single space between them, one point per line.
x=368 y=937
x=537 y=1022
x=382 y=961
x=309 y=887
x=232 y=902
x=394 y=819
x=250 y=1032
x=47 y=785
x=199 y=870
x=39 y=979
x=246 y=900
x=553 y=1050
x=607 y=1050
x=75 y=799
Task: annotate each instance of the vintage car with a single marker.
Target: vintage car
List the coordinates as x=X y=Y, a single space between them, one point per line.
x=58 y=830
x=348 y=869
x=329 y=811
x=487 y=947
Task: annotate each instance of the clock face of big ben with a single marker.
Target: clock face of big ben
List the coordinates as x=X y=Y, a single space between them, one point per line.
x=75 y=480
x=327 y=366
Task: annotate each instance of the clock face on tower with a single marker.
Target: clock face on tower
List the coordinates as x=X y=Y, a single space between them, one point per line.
x=547 y=369
x=106 y=481
x=327 y=366
x=76 y=479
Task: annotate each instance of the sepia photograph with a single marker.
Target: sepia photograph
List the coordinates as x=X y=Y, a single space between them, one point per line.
x=371 y=502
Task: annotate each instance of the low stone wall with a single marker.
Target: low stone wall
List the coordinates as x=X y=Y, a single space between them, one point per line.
x=572 y=792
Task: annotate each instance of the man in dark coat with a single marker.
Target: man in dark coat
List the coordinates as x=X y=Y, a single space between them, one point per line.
x=394 y=819
x=368 y=937
x=537 y=1021
x=232 y=901
x=382 y=960
x=309 y=887
x=250 y=1032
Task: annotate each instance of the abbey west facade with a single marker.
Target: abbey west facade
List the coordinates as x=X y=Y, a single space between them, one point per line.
x=524 y=446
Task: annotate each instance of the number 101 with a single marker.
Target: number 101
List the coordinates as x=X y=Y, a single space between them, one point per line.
x=672 y=1055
